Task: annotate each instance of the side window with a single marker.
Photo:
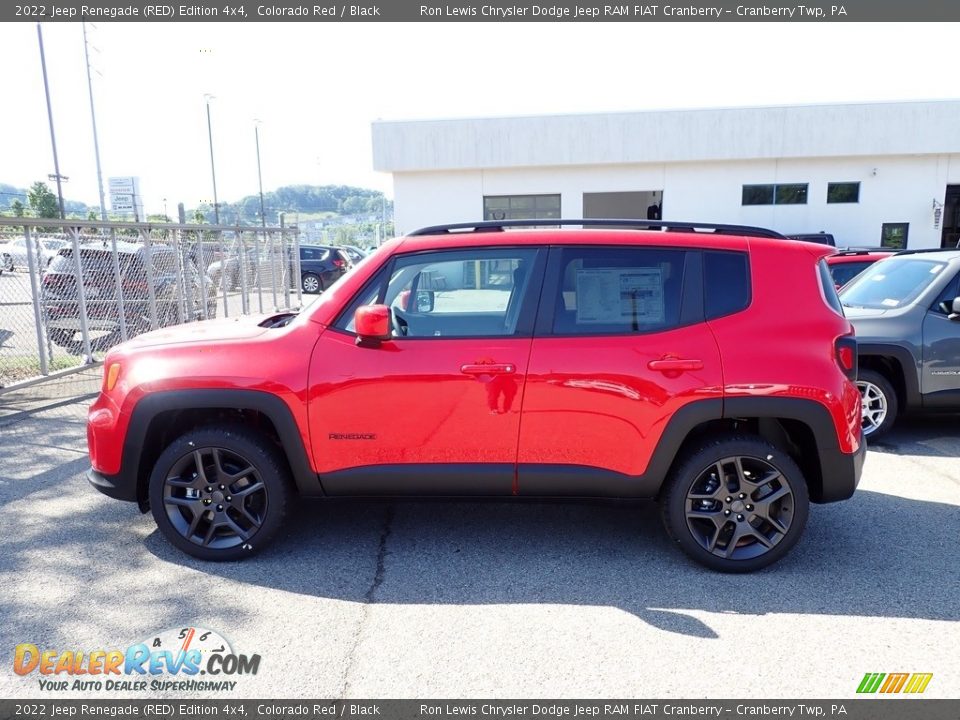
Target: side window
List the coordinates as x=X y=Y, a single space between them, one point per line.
x=313 y=253
x=618 y=290
x=726 y=283
x=951 y=291
x=462 y=293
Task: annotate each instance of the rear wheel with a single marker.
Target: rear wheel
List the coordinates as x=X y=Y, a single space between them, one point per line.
x=219 y=493
x=311 y=283
x=878 y=403
x=736 y=504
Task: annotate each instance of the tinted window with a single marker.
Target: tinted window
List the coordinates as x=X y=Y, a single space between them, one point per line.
x=843 y=192
x=891 y=283
x=828 y=288
x=726 y=283
x=618 y=290
x=845 y=272
x=313 y=253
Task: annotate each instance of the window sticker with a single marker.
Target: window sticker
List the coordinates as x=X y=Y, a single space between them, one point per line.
x=620 y=295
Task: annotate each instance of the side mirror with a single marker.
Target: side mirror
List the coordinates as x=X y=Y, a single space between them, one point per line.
x=425 y=301
x=952 y=309
x=372 y=324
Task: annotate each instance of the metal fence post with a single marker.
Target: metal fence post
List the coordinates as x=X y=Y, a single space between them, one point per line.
x=296 y=265
x=273 y=272
x=148 y=265
x=258 y=276
x=286 y=275
x=118 y=283
x=223 y=274
x=81 y=297
x=184 y=282
x=242 y=269
x=35 y=297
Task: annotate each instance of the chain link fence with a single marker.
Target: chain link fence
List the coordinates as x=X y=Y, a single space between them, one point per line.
x=70 y=290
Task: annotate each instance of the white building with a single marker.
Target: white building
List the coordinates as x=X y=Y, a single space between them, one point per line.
x=867 y=173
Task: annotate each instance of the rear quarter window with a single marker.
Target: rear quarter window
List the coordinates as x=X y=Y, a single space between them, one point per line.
x=828 y=287
x=726 y=277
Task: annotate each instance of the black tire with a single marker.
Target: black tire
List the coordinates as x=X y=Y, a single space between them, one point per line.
x=713 y=520
x=195 y=513
x=879 y=405
x=311 y=283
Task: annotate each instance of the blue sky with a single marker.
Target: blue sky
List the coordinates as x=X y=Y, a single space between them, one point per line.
x=317 y=87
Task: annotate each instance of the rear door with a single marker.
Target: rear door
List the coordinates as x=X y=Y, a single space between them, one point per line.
x=620 y=347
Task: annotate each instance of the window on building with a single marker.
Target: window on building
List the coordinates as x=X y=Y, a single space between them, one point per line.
x=843 y=192
x=786 y=194
x=894 y=235
x=521 y=207
x=758 y=194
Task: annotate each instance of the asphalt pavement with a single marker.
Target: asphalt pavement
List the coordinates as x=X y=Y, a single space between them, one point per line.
x=496 y=599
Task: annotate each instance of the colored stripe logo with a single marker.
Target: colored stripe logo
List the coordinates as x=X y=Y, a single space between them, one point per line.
x=908 y=683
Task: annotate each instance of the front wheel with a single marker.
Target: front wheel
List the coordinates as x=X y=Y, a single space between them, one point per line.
x=878 y=403
x=219 y=493
x=736 y=504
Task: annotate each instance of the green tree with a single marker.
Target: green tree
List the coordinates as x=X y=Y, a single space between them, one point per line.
x=43 y=201
x=18 y=208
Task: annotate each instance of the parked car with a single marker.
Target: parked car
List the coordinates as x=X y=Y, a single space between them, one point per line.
x=61 y=303
x=231 y=260
x=487 y=362
x=13 y=254
x=906 y=311
x=845 y=265
x=821 y=238
x=355 y=254
x=321 y=266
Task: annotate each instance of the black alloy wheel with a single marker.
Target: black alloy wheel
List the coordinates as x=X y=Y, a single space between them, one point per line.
x=737 y=504
x=219 y=493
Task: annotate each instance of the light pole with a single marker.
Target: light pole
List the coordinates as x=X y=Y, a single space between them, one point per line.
x=93 y=120
x=53 y=137
x=213 y=170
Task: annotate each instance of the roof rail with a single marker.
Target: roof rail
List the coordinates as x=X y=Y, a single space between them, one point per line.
x=918 y=251
x=663 y=225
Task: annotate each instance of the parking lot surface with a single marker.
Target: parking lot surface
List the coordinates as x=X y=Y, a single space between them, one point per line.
x=497 y=599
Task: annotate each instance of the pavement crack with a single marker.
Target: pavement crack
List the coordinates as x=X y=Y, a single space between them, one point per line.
x=369 y=599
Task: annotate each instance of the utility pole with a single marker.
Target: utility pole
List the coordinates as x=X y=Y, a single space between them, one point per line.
x=213 y=171
x=53 y=137
x=93 y=120
x=256 y=134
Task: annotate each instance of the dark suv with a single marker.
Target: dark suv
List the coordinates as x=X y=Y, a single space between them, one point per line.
x=179 y=292
x=710 y=368
x=906 y=310
x=321 y=266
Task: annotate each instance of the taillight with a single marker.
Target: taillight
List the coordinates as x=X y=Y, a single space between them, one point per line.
x=846 y=352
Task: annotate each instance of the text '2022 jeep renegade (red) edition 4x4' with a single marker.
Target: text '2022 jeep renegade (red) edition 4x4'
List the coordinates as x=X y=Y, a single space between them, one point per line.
x=707 y=366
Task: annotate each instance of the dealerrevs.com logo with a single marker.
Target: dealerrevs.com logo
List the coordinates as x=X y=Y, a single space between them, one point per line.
x=172 y=660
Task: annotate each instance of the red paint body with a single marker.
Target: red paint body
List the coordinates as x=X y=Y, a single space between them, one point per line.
x=599 y=402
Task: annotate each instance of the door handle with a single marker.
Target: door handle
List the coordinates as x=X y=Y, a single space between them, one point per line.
x=675 y=365
x=491 y=369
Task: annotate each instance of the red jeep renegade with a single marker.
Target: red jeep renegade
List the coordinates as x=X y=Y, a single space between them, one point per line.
x=707 y=366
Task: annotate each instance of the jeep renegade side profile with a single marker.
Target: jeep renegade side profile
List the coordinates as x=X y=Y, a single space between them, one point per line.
x=710 y=367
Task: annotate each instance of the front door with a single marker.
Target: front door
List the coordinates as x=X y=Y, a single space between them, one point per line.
x=940 y=383
x=436 y=408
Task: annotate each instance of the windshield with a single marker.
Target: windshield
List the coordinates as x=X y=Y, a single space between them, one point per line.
x=891 y=283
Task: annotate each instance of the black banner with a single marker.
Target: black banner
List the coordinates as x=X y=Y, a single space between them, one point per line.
x=872 y=709
x=481 y=11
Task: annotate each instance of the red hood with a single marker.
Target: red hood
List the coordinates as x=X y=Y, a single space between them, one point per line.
x=204 y=333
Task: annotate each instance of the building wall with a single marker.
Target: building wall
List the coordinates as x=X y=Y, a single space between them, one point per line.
x=893 y=188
